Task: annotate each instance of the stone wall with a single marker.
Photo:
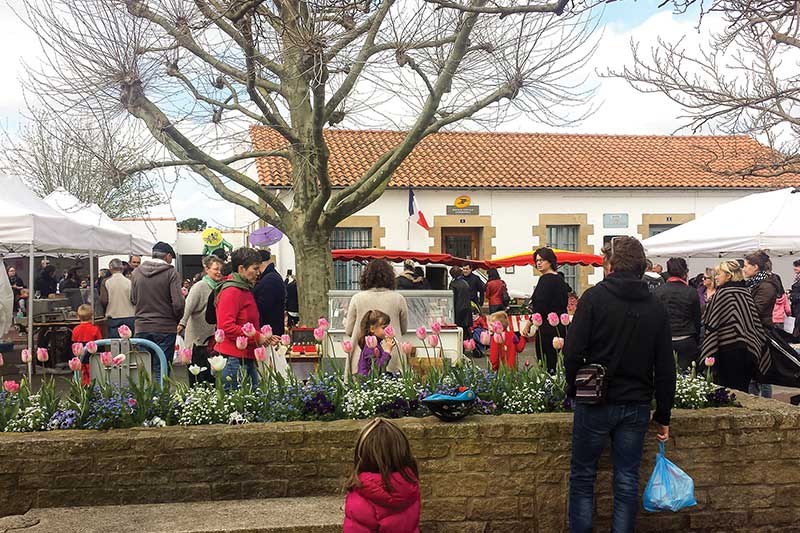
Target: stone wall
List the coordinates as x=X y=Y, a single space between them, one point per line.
x=506 y=473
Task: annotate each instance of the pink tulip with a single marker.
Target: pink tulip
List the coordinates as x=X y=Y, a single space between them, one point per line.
x=564 y=319
x=406 y=347
x=499 y=338
x=11 y=386
x=319 y=334
x=219 y=336
x=106 y=359
x=323 y=323
x=185 y=356
x=469 y=345
x=433 y=341
x=260 y=353
x=241 y=343
x=527 y=363
x=558 y=343
x=710 y=361
x=77 y=349
x=486 y=338
x=91 y=347
x=286 y=340
x=436 y=327
x=1 y=359
x=552 y=319
x=497 y=327
x=371 y=341
x=389 y=332
x=536 y=318
x=266 y=331
x=26 y=355
x=118 y=359
x=249 y=329
x=347 y=346
x=74 y=364
x=42 y=355
x=421 y=332
x=124 y=332
x=184 y=292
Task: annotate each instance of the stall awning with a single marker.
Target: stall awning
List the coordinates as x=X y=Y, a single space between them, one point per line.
x=564 y=257
x=398 y=256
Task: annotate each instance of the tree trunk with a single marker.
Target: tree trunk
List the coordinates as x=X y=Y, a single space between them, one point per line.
x=314 y=267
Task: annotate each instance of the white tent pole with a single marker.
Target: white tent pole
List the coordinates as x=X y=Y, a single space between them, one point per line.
x=91 y=282
x=29 y=308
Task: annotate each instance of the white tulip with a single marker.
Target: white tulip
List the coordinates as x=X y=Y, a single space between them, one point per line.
x=195 y=370
x=217 y=363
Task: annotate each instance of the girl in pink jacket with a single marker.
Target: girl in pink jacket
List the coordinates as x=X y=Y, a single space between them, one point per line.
x=383 y=488
x=781 y=310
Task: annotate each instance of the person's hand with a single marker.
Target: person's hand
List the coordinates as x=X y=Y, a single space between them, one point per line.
x=388 y=344
x=275 y=340
x=662 y=432
x=526 y=331
x=181 y=327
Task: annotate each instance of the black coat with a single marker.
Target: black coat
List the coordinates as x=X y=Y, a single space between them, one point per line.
x=461 y=303
x=408 y=281
x=683 y=307
x=476 y=287
x=46 y=285
x=292 y=301
x=646 y=366
x=270 y=296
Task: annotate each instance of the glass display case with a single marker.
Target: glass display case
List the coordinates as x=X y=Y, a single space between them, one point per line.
x=424 y=307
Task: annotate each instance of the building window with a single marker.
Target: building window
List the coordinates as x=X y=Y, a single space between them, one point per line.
x=346 y=274
x=565 y=238
x=655 y=229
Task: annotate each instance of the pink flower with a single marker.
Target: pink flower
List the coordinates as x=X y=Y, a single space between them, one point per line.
x=124 y=332
x=406 y=347
x=389 y=332
x=433 y=341
x=710 y=361
x=219 y=336
x=565 y=319
x=323 y=323
x=486 y=338
x=185 y=356
x=469 y=345
x=347 y=346
x=106 y=359
x=248 y=329
x=436 y=327
x=10 y=386
x=552 y=319
x=91 y=347
x=241 y=343
x=527 y=363
x=421 y=333
x=42 y=355
x=558 y=343
x=498 y=338
x=118 y=359
x=497 y=327
x=286 y=339
x=184 y=291
x=260 y=353
x=26 y=355
x=77 y=349
x=371 y=341
x=536 y=318
x=74 y=364
x=266 y=330
x=319 y=334
x=1 y=359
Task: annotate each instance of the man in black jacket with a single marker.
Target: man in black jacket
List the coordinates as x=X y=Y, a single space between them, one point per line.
x=270 y=294
x=476 y=286
x=683 y=308
x=461 y=300
x=618 y=307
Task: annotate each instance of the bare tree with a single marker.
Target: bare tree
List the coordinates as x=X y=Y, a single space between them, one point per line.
x=745 y=82
x=196 y=74
x=79 y=156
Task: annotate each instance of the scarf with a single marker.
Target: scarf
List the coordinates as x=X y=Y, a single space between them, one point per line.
x=210 y=282
x=676 y=279
x=796 y=278
x=758 y=278
x=236 y=280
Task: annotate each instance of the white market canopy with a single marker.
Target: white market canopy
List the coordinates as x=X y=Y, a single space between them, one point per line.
x=91 y=215
x=769 y=221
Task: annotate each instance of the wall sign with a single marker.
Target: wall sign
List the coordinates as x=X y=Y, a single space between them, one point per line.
x=462 y=201
x=615 y=220
x=468 y=210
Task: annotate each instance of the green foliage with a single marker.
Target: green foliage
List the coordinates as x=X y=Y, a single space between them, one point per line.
x=192 y=224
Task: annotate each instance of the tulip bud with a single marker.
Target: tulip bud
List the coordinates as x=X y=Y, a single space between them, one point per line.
x=371 y=341
x=185 y=356
x=498 y=338
x=91 y=347
x=42 y=355
x=249 y=330
x=552 y=319
x=74 y=364
x=498 y=327
x=710 y=361
x=241 y=343
x=536 y=318
x=26 y=355
x=77 y=349
x=124 y=332
x=217 y=363
x=219 y=336
x=389 y=332
x=10 y=386
x=319 y=334
x=1 y=360
x=260 y=353
x=347 y=346
x=118 y=359
x=433 y=341
x=266 y=331
x=436 y=327
x=565 y=319
x=195 y=370
x=558 y=343
x=486 y=338
x=323 y=323
x=421 y=333
x=286 y=339
x=406 y=347
x=184 y=292
x=106 y=359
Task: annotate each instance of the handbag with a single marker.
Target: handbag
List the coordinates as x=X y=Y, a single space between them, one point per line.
x=506 y=297
x=591 y=380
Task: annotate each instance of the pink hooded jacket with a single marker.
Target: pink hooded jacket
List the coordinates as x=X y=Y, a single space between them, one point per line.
x=370 y=508
x=781 y=310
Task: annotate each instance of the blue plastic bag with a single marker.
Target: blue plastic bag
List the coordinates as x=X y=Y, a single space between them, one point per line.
x=669 y=488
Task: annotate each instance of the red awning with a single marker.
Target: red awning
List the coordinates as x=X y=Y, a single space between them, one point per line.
x=564 y=257
x=398 y=256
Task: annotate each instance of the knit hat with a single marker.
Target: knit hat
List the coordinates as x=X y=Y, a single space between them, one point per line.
x=164 y=248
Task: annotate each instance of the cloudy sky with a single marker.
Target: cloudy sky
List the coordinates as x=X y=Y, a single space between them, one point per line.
x=621 y=109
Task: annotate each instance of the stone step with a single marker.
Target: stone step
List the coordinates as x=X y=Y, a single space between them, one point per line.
x=277 y=515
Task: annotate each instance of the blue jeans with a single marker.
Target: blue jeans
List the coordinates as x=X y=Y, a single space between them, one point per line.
x=114 y=324
x=626 y=424
x=760 y=389
x=232 y=370
x=165 y=341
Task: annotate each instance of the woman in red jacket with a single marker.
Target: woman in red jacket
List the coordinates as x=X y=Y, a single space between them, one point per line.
x=236 y=307
x=496 y=291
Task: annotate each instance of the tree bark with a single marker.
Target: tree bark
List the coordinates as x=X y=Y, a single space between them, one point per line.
x=314 y=267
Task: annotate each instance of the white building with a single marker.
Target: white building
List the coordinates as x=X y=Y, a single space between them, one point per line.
x=496 y=194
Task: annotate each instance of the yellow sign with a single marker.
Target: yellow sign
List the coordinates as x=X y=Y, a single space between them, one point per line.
x=462 y=201
x=212 y=237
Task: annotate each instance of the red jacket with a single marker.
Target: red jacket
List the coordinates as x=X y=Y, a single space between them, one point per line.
x=370 y=508
x=494 y=291
x=509 y=355
x=236 y=307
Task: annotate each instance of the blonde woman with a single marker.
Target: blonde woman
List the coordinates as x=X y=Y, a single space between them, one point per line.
x=734 y=334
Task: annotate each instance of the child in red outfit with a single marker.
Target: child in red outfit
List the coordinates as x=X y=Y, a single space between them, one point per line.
x=83 y=333
x=383 y=488
x=506 y=352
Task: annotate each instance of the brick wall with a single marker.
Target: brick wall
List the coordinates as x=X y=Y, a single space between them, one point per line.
x=509 y=473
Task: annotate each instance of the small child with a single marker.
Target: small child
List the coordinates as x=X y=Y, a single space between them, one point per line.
x=22 y=304
x=478 y=326
x=512 y=345
x=383 y=487
x=374 y=324
x=85 y=332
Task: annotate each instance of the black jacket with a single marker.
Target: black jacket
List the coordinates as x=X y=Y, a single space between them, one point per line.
x=270 y=296
x=794 y=298
x=646 y=366
x=292 y=302
x=550 y=296
x=683 y=307
x=46 y=285
x=461 y=302
x=476 y=287
x=764 y=296
x=408 y=281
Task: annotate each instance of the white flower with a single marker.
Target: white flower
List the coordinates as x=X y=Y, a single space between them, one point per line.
x=195 y=370
x=217 y=363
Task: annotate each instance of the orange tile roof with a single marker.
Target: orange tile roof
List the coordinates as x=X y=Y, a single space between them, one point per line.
x=534 y=160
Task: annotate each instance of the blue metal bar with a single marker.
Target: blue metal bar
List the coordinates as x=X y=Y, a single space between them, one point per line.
x=147 y=344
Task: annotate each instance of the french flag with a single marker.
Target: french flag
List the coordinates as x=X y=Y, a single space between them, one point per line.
x=414 y=214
